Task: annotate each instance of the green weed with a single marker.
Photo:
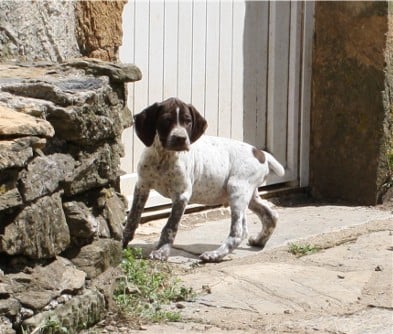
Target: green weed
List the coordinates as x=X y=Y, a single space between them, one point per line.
x=302 y=249
x=51 y=325
x=147 y=287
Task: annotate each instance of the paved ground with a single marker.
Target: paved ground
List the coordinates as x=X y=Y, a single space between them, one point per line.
x=347 y=287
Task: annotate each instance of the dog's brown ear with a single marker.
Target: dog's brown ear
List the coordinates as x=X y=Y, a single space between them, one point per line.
x=199 y=124
x=145 y=124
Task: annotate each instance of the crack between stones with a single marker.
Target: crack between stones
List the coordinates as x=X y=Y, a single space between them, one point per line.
x=251 y=310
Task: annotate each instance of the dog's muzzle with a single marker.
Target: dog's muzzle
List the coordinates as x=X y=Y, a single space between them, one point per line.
x=178 y=140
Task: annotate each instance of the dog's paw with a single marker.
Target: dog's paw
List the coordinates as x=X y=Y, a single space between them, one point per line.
x=212 y=256
x=160 y=254
x=256 y=242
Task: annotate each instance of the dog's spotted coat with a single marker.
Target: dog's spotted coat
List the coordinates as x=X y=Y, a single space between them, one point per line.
x=183 y=164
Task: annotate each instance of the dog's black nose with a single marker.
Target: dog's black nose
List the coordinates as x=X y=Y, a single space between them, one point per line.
x=178 y=142
x=178 y=139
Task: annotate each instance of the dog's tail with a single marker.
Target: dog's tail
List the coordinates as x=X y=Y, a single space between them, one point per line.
x=274 y=165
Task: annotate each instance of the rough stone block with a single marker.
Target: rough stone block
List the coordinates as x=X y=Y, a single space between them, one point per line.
x=97 y=168
x=38 y=30
x=35 y=300
x=44 y=174
x=38 y=231
x=45 y=283
x=81 y=222
x=15 y=123
x=6 y=326
x=16 y=152
x=9 y=194
x=103 y=228
x=80 y=312
x=81 y=110
x=10 y=199
x=114 y=212
x=10 y=308
x=60 y=275
x=95 y=258
x=116 y=72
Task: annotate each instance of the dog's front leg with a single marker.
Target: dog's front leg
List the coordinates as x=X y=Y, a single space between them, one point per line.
x=141 y=193
x=169 y=231
x=238 y=201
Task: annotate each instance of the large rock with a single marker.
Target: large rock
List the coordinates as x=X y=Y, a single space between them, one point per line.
x=80 y=312
x=10 y=308
x=44 y=174
x=16 y=152
x=10 y=198
x=6 y=326
x=60 y=276
x=100 y=255
x=38 y=231
x=18 y=124
x=45 y=283
x=117 y=73
x=82 y=110
x=33 y=30
x=114 y=212
x=9 y=194
x=81 y=222
x=97 y=167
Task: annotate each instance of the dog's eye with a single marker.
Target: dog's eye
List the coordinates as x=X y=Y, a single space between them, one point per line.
x=165 y=120
x=187 y=121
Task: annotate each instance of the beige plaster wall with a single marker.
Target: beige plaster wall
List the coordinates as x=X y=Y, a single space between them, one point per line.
x=348 y=114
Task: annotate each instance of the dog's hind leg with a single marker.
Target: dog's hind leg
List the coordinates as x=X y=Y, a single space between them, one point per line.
x=268 y=218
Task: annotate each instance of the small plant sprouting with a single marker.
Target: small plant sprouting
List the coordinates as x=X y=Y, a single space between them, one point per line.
x=147 y=286
x=302 y=249
x=50 y=325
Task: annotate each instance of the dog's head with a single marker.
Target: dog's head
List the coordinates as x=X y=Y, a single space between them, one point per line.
x=176 y=123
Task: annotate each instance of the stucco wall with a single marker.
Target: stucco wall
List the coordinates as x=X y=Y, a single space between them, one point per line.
x=348 y=114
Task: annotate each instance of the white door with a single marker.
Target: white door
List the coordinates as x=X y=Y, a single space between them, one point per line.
x=245 y=65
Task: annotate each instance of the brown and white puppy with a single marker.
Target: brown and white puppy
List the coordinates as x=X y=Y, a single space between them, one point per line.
x=188 y=167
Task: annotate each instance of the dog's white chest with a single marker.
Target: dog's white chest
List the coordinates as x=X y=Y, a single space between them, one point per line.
x=165 y=174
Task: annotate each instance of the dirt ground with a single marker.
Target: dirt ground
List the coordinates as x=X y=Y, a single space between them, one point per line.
x=345 y=287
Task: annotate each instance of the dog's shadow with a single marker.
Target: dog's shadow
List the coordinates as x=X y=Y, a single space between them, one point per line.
x=190 y=251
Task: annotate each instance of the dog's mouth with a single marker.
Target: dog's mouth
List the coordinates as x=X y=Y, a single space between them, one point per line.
x=177 y=140
x=175 y=144
x=176 y=147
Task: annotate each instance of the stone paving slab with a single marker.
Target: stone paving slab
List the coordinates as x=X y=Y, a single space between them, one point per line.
x=347 y=287
x=294 y=223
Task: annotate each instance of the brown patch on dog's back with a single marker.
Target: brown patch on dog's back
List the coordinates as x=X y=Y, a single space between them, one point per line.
x=259 y=155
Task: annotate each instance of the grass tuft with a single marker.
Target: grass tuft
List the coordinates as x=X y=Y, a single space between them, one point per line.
x=302 y=249
x=147 y=287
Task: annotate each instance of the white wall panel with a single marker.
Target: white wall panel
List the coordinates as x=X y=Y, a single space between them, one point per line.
x=242 y=64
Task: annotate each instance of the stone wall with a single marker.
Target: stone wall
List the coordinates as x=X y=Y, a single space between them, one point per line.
x=60 y=128
x=60 y=213
x=349 y=129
